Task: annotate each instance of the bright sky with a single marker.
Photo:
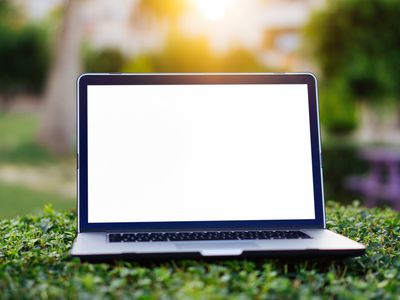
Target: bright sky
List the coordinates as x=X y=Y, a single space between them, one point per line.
x=227 y=22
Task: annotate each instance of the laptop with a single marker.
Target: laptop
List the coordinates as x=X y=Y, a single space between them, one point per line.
x=201 y=166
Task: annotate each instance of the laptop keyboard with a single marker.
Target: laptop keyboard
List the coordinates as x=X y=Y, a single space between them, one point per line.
x=207 y=236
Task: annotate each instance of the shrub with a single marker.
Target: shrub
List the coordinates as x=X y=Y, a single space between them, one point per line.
x=338 y=111
x=339 y=161
x=103 y=60
x=24 y=58
x=34 y=264
x=357 y=55
x=183 y=53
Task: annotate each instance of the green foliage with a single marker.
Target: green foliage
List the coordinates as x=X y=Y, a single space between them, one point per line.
x=7 y=11
x=24 y=58
x=18 y=200
x=239 y=60
x=103 y=61
x=34 y=264
x=337 y=109
x=24 y=51
x=339 y=161
x=19 y=148
x=358 y=41
x=355 y=44
x=140 y=64
x=18 y=144
x=184 y=53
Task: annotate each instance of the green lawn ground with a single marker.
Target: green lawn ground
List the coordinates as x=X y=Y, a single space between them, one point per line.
x=34 y=264
x=18 y=144
x=18 y=200
x=18 y=147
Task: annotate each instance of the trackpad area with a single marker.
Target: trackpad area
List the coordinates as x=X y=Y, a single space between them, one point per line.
x=215 y=245
x=217 y=248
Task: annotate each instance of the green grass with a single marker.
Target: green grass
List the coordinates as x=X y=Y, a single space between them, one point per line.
x=18 y=201
x=18 y=147
x=18 y=143
x=34 y=263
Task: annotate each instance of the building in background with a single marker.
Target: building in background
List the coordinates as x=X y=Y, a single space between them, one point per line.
x=283 y=21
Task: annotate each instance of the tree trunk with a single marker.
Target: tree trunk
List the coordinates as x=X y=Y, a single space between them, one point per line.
x=57 y=130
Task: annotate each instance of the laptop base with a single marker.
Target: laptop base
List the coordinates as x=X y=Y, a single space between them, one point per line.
x=323 y=243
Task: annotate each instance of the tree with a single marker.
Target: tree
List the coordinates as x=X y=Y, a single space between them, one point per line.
x=183 y=53
x=24 y=59
x=356 y=46
x=57 y=131
x=103 y=60
x=24 y=54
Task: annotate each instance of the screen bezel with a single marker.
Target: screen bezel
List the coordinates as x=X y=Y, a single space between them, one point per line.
x=151 y=79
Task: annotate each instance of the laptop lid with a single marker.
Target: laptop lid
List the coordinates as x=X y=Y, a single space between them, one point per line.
x=198 y=151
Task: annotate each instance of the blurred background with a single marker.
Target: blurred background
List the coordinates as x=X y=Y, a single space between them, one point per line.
x=353 y=46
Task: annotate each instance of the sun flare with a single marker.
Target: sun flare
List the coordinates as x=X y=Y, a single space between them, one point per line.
x=212 y=9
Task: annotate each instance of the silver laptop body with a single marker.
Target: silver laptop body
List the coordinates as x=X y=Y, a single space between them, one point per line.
x=201 y=165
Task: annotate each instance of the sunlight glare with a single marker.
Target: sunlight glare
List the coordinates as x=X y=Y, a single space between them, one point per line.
x=212 y=9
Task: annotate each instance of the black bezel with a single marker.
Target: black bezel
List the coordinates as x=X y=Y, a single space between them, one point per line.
x=232 y=78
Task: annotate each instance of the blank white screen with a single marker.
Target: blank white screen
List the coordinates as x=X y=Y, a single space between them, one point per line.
x=199 y=153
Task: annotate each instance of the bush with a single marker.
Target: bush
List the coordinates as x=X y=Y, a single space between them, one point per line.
x=337 y=109
x=18 y=144
x=182 y=53
x=103 y=61
x=357 y=55
x=350 y=45
x=339 y=161
x=34 y=264
x=24 y=58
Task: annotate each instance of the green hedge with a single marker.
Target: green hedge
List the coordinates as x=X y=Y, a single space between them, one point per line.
x=34 y=263
x=341 y=160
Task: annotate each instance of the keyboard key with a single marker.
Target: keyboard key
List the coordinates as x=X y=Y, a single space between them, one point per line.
x=206 y=236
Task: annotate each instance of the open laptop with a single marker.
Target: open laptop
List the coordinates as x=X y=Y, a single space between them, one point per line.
x=201 y=165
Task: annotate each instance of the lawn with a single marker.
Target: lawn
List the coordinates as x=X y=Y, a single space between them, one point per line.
x=18 y=200
x=18 y=144
x=34 y=263
x=19 y=149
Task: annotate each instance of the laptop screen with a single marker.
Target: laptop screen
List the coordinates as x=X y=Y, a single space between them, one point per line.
x=199 y=152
